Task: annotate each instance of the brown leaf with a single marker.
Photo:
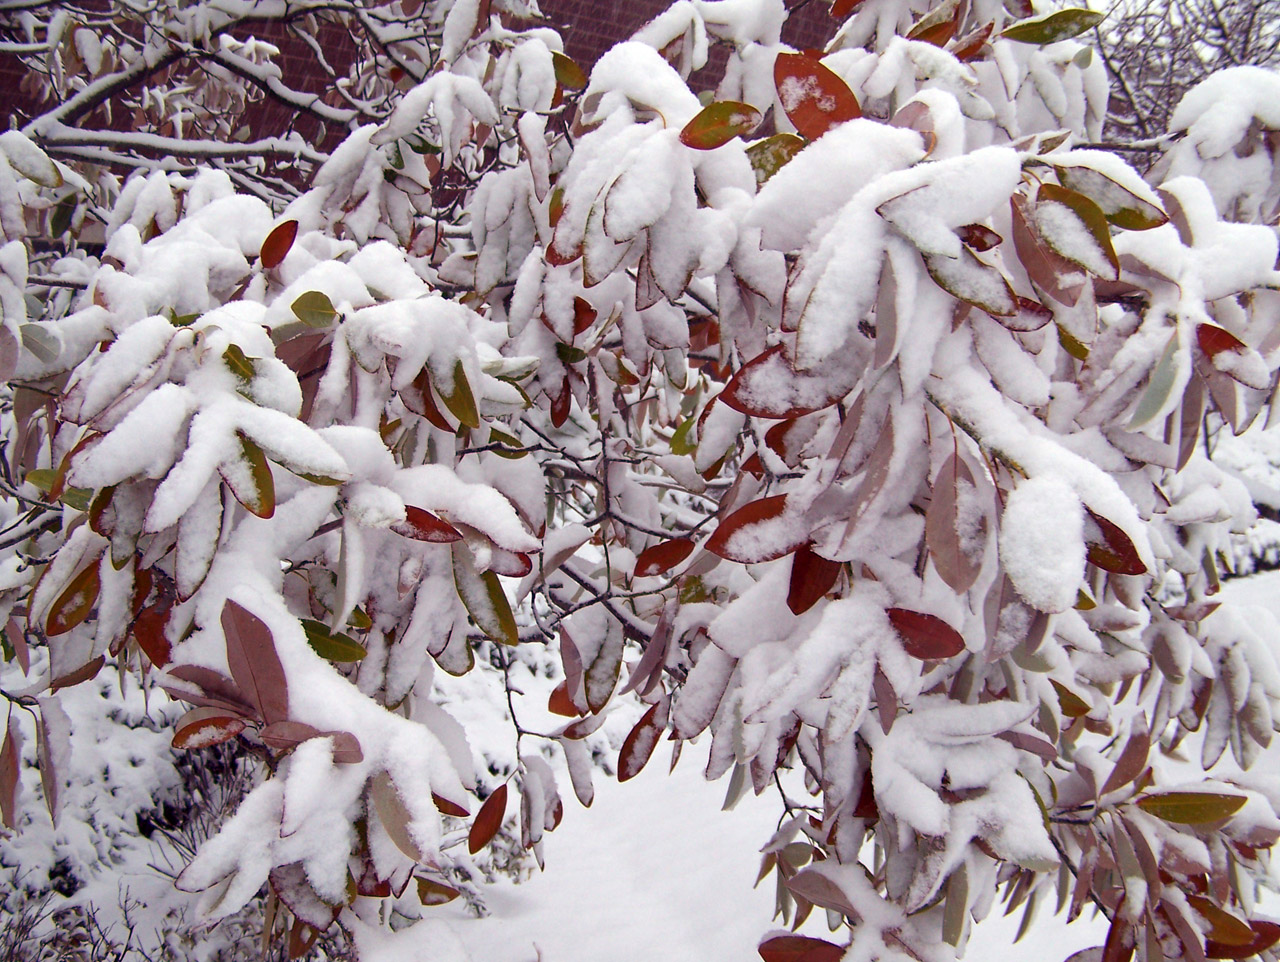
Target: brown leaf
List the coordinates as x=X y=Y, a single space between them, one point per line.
x=662 y=557
x=202 y=727
x=754 y=533
x=955 y=565
x=10 y=764
x=77 y=676
x=488 y=820
x=422 y=525
x=925 y=636
x=979 y=237
x=641 y=741
x=812 y=576
x=393 y=814
x=254 y=664
x=277 y=244
x=76 y=601
x=1131 y=763
x=1265 y=935
x=815 y=99
x=448 y=807
x=799 y=948
x=559 y=702
x=769 y=386
x=431 y=892
x=292 y=887
x=1110 y=549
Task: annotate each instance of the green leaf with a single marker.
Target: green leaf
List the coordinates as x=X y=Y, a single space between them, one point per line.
x=1192 y=808
x=1060 y=25
x=460 y=401
x=770 y=155
x=332 y=645
x=314 y=309
x=718 y=123
x=680 y=443
x=569 y=354
x=1090 y=215
x=1120 y=205
x=1159 y=385
x=484 y=598
x=568 y=74
x=240 y=366
x=1072 y=344
x=250 y=480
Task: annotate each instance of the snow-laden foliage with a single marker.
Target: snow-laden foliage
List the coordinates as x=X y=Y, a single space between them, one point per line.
x=855 y=407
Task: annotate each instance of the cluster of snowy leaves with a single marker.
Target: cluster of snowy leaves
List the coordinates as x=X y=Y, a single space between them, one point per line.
x=860 y=403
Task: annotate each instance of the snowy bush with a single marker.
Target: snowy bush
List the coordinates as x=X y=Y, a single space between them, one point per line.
x=855 y=407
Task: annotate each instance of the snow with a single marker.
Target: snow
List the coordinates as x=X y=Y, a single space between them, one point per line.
x=1042 y=543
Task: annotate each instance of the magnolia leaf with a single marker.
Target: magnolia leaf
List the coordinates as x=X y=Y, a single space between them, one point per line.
x=460 y=401
x=812 y=576
x=278 y=243
x=1265 y=935
x=769 y=386
x=1090 y=216
x=86 y=672
x=1159 y=385
x=1110 y=549
x=1213 y=340
x=448 y=807
x=421 y=525
x=568 y=74
x=1048 y=270
x=76 y=601
x=1131 y=763
x=431 y=892
x=202 y=727
x=970 y=280
x=979 y=237
x=842 y=8
x=799 y=948
x=770 y=155
x=488 y=820
x=314 y=309
x=1060 y=25
x=1224 y=928
x=559 y=702
x=1072 y=705
x=662 y=557
x=925 y=636
x=254 y=664
x=10 y=765
x=332 y=645
x=250 y=480
x=395 y=817
x=759 y=531
x=937 y=26
x=1121 y=206
x=484 y=598
x=815 y=98
x=957 y=559
x=1192 y=808
x=642 y=740
x=28 y=159
x=718 y=123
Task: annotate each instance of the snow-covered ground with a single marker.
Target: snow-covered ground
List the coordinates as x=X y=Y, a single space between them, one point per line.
x=655 y=870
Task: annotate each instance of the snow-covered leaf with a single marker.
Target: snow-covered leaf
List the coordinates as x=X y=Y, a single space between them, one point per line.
x=814 y=97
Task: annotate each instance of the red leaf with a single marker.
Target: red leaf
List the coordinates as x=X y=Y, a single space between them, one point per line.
x=925 y=636
x=812 y=576
x=421 y=525
x=1111 y=549
x=757 y=532
x=81 y=674
x=584 y=315
x=148 y=632
x=970 y=46
x=277 y=244
x=559 y=702
x=799 y=948
x=488 y=820
x=642 y=740
x=1120 y=941
x=510 y=564
x=301 y=938
x=561 y=403
x=662 y=557
x=814 y=97
x=202 y=727
x=254 y=664
x=769 y=386
x=9 y=766
x=956 y=566
x=1214 y=340
x=1265 y=935
x=979 y=237
x=842 y=8
x=448 y=807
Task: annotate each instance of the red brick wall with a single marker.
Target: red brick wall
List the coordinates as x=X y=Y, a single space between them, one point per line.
x=589 y=27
